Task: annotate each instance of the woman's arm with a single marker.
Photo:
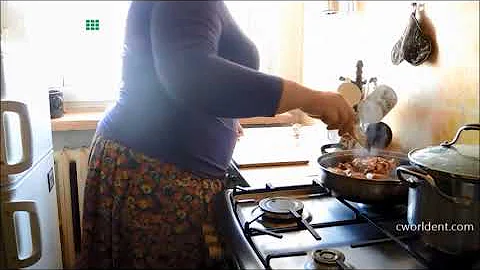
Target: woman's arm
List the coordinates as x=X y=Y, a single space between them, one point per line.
x=185 y=39
x=327 y=106
x=185 y=36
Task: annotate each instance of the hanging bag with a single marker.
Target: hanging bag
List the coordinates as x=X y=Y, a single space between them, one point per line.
x=413 y=46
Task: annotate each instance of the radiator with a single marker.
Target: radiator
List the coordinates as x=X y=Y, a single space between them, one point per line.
x=71 y=168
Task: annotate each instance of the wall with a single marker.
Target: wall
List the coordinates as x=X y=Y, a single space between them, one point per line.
x=72 y=139
x=436 y=98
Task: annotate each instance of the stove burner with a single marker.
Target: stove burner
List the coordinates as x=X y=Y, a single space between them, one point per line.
x=287 y=209
x=271 y=222
x=281 y=206
x=327 y=259
x=327 y=256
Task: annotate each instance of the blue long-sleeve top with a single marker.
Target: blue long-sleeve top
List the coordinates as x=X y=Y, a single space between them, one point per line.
x=188 y=73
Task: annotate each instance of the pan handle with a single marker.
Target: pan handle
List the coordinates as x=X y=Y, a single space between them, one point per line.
x=418 y=174
x=415 y=181
x=331 y=145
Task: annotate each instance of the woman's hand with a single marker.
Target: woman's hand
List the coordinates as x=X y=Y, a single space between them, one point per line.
x=330 y=107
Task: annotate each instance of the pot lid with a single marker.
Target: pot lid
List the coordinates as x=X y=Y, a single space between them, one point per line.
x=459 y=159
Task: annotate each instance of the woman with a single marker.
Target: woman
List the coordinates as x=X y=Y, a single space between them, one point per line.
x=159 y=156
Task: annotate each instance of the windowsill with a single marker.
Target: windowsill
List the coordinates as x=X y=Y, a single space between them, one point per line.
x=87 y=119
x=76 y=121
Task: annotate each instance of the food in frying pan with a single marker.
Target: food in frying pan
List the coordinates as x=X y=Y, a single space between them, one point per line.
x=366 y=168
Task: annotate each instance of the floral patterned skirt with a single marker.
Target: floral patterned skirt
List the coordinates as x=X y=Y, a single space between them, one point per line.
x=142 y=213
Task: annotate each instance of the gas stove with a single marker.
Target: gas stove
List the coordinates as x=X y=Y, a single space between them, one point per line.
x=305 y=227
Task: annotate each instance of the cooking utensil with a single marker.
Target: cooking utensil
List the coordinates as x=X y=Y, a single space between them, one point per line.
x=371 y=86
x=389 y=191
x=370 y=110
x=358 y=77
x=444 y=188
x=353 y=95
x=350 y=92
x=378 y=104
x=360 y=136
x=379 y=135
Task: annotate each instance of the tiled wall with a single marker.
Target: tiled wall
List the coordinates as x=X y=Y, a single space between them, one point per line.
x=436 y=98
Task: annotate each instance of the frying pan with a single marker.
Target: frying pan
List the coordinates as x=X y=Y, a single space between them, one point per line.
x=385 y=192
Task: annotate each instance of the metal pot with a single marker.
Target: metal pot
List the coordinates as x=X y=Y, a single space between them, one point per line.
x=444 y=194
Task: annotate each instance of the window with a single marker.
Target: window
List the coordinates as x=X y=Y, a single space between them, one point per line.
x=80 y=42
x=272 y=26
x=332 y=43
x=276 y=28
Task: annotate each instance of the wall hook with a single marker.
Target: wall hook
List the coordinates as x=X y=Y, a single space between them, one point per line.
x=417 y=6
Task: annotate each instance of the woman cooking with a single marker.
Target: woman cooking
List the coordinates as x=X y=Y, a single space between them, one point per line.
x=160 y=154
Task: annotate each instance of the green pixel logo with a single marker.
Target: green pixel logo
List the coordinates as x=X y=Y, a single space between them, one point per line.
x=92 y=25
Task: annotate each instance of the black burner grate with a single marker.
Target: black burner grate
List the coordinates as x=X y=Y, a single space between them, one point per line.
x=432 y=262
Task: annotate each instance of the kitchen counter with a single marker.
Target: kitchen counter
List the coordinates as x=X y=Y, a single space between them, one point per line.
x=279 y=144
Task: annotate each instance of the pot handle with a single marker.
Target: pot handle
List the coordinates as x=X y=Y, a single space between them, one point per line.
x=421 y=174
x=331 y=145
x=457 y=136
